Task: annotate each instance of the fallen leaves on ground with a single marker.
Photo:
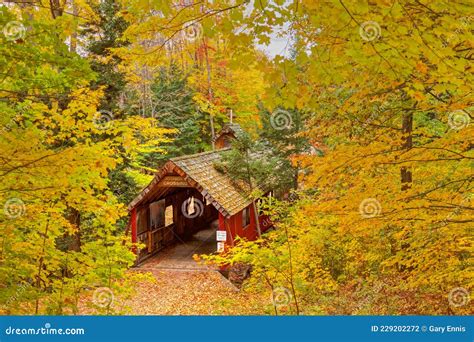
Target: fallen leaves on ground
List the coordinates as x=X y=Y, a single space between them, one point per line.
x=180 y=292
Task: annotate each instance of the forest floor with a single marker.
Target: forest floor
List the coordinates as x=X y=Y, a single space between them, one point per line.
x=180 y=255
x=187 y=292
x=182 y=286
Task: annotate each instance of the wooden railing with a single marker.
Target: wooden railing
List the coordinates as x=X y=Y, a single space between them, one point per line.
x=156 y=239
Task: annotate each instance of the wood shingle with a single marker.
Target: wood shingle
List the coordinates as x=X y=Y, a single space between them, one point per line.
x=199 y=172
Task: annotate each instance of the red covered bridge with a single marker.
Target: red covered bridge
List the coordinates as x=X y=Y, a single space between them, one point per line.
x=187 y=195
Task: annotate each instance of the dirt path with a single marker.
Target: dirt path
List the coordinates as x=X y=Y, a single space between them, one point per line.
x=181 y=286
x=183 y=293
x=180 y=256
x=184 y=287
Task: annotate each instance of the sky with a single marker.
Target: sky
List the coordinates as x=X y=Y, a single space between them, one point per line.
x=278 y=45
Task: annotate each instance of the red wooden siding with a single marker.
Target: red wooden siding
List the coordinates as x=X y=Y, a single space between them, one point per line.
x=133 y=223
x=235 y=228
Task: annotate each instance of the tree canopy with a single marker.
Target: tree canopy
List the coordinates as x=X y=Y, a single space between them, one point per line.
x=362 y=120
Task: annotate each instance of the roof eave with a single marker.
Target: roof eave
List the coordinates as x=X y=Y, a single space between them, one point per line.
x=170 y=165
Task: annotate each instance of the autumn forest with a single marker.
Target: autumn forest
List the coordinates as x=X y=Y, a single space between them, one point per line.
x=349 y=166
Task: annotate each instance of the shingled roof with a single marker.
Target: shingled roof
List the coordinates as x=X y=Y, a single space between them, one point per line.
x=199 y=172
x=230 y=128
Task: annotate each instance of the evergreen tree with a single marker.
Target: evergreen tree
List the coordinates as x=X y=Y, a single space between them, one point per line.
x=102 y=37
x=174 y=108
x=257 y=168
x=282 y=131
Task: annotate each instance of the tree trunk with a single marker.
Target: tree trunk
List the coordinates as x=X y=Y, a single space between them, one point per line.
x=254 y=205
x=295 y=176
x=407 y=129
x=292 y=282
x=73 y=46
x=74 y=218
x=40 y=266
x=210 y=95
x=56 y=8
x=257 y=222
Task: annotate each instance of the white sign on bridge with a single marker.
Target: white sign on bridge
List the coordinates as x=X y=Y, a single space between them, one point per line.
x=221 y=235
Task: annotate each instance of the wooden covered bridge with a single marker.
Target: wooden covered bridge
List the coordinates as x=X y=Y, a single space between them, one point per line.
x=188 y=195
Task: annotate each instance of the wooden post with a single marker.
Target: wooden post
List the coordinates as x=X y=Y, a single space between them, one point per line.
x=150 y=241
x=133 y=224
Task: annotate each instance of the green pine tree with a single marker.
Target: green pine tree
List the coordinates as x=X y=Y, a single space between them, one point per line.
x=281 y=130
x=101 y=37
x=174 y=108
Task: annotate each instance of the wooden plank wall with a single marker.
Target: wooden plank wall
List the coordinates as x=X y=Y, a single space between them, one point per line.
x=182 y=229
